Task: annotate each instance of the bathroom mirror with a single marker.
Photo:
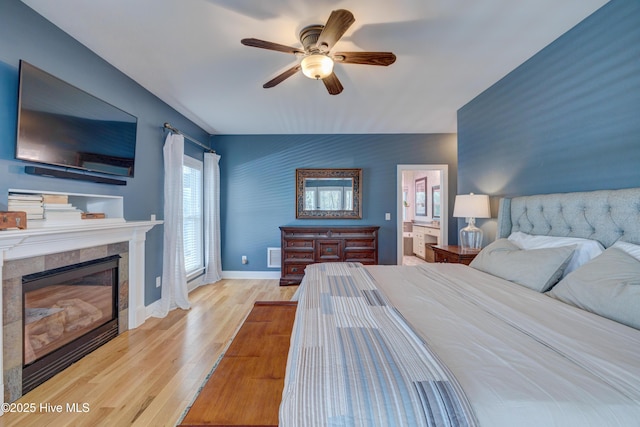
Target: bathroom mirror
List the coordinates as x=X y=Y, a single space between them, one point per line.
x=435 y=202
x=328 y=193
x=421 y=196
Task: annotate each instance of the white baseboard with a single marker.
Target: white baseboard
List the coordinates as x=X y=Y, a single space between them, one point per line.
x=251 y=274
x=195 y=283
x=151 y=308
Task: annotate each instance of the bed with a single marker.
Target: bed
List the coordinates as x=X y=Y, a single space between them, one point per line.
x=528 y=335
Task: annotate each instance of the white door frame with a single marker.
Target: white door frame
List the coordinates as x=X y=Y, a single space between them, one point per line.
x=444 y=203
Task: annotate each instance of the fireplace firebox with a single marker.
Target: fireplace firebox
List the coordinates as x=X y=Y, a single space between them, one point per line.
x=67 y=313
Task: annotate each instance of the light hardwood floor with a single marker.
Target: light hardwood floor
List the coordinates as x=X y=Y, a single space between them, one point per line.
x=148 y=376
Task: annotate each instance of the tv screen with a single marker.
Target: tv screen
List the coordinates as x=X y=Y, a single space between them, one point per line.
x=59 y=124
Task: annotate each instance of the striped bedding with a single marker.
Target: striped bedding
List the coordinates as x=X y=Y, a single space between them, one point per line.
x=354 y=361
x=522 y=358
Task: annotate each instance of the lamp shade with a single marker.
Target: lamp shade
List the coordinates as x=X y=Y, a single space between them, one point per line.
x=472 y=206
x=317 y=66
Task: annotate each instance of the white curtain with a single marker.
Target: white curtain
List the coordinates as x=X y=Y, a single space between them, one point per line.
x=174 y=292
x=213 y=263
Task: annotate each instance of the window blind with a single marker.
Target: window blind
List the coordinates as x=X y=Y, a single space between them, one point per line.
x=192 y=215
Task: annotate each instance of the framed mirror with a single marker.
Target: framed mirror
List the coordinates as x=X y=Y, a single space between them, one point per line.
x=329 y=193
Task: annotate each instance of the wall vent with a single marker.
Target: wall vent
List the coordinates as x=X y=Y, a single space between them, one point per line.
x=273 y=257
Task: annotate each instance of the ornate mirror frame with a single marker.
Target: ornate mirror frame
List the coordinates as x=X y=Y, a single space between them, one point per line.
x=304 y=174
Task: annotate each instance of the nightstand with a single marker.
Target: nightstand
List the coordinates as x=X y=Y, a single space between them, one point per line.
x=454 y=254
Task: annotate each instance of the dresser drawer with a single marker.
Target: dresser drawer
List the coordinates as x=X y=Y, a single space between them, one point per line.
x=364 y=257
x=432 y=232
x=294 y=269
x=303 y=256
x=360 y=243
x=298 y=243
x=329 y=250
x=444 y=257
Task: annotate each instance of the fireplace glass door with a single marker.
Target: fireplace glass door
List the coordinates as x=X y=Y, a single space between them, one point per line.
x=63 y=305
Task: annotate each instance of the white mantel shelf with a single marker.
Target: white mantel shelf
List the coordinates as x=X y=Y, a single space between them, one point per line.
x=18 y=244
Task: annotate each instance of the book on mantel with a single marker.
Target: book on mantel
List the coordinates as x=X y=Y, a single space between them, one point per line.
x=31 y=204
x=57 y=208
x=55 y=198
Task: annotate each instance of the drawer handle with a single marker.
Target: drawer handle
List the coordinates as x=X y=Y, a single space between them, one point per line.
x=295 y=270
x=329 y=250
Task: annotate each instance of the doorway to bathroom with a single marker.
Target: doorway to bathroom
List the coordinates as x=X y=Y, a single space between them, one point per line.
x=422 y=211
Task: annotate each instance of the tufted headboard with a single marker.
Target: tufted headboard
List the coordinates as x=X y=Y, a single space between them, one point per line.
x=603 y=215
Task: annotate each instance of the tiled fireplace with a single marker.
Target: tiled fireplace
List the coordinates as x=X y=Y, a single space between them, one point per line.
x=17 y=349
x=28 y=253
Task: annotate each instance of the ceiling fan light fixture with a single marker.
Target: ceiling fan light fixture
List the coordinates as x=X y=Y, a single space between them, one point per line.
x=317 y=66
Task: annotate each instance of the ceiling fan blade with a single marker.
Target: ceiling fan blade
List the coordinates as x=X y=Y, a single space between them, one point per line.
x=338 y=23
x=281 y=77
x=332 y=84
x=366 y=58
x=270 y=46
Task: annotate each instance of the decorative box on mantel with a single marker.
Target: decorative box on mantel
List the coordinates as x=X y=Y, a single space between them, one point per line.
x=42 y=241
x=10 y=220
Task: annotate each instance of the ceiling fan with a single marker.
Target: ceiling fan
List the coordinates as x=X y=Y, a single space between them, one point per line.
x=317 y=60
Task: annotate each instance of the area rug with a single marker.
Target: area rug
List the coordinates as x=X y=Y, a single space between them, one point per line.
x=212 y=370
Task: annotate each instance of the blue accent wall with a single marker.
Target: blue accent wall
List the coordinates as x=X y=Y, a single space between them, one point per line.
x=257 y=174
x=568 y=119
x=26 y=35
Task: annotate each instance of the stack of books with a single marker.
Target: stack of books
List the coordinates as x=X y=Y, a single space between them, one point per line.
x=57 y=208
x=32 y=204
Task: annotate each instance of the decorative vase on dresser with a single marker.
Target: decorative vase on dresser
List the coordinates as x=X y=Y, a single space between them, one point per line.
x=303 y=245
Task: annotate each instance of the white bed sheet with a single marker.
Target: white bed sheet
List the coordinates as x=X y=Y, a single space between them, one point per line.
x=522 y=358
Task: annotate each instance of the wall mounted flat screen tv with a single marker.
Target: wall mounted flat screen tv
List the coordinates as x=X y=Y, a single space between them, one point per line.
x=61 y=125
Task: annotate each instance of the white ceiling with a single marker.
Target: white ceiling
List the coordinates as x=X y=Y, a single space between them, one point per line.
x=188 y=53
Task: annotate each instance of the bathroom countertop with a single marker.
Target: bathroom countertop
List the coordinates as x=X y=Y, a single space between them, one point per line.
x=427 y=224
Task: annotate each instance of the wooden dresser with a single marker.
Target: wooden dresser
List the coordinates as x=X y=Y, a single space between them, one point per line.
x=303 y=245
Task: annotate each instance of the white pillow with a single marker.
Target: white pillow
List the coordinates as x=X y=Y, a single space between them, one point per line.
x=586 y=249
x=629 y=248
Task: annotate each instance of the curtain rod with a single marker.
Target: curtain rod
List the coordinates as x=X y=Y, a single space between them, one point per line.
x=195 y=141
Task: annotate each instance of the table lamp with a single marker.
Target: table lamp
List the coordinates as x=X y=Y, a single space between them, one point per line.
x=471 y=206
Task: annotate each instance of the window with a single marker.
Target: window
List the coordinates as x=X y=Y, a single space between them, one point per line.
x=328 y=194
x=192 y=209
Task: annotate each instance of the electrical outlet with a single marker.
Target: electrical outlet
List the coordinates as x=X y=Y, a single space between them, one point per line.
x=387 y=216
x=244 y=259
x=158 y=281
